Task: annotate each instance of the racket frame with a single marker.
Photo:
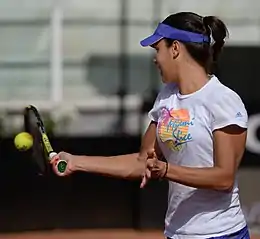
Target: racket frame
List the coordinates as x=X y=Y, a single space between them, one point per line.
x=60 y=164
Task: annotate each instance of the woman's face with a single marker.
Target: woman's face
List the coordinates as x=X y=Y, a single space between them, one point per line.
x=164 y=60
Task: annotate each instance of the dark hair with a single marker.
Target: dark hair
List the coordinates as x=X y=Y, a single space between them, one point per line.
x=206 y=54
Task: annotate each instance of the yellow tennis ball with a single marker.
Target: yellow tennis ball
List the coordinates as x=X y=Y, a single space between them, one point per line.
x=23 y=141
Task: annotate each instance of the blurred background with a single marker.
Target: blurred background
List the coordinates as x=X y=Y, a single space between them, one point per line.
x=81 y=64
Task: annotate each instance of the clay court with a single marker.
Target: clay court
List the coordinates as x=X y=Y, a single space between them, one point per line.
x=91 y=234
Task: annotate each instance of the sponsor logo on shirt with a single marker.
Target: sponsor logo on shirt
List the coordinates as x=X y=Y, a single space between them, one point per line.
x=239 y=115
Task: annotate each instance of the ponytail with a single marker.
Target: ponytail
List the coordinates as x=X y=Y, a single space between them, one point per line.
x=217 y=31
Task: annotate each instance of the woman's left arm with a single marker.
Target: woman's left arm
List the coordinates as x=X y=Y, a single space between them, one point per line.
x=229 y=145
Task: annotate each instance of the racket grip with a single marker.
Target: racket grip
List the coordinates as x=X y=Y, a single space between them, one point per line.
x=61 y=163
x=61 y=166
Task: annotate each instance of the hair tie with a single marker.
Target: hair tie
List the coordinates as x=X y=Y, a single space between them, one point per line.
x=211 y=39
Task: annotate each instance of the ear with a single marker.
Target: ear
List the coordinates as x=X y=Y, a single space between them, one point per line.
x=175 y=49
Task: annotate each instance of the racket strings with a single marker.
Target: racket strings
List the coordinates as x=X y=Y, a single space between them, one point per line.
x=37 y=152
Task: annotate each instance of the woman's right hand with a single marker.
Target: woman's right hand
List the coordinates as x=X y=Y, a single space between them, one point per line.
x=69 y=158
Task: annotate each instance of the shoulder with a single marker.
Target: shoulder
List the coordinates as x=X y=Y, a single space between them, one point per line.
x=224 y=96
x=227 y=108
x=218 y=92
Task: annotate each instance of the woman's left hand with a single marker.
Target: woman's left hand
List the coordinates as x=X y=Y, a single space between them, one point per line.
x=154 y=168
x=157 y=168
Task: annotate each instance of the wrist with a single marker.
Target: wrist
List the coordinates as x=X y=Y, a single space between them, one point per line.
x=165 y=171
x=75 y=163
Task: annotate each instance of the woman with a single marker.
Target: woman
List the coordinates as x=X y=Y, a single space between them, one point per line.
x=197 y=124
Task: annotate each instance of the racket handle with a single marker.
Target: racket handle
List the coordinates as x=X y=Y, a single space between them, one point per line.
x=61 y=166
x=61 y=163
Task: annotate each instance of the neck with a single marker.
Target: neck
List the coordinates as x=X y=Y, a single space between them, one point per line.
x=192 y=79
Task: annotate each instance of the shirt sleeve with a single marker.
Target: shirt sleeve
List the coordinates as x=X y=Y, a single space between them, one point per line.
x=229 y=110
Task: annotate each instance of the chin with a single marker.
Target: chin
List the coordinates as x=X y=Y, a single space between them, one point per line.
x=165 y=81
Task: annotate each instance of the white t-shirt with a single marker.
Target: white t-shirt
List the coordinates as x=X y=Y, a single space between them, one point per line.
x=184 y=132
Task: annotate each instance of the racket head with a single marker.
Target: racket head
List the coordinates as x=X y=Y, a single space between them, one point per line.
x=32 y=122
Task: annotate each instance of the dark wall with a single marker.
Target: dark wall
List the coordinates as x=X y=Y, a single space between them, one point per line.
x=29 y=201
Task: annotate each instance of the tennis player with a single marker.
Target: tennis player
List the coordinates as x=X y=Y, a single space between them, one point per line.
x=198 y=124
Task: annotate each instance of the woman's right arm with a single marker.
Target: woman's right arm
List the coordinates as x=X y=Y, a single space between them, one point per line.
x=127 y=166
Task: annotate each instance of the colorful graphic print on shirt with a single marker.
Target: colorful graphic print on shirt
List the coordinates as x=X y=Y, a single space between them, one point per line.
x=173 y=128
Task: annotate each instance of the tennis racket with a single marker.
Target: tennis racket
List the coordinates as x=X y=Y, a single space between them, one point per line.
x=42 y=148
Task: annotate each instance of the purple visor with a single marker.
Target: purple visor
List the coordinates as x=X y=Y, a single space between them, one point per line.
x=166 y=31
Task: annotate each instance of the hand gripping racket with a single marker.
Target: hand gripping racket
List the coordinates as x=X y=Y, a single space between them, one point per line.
x=41 y=145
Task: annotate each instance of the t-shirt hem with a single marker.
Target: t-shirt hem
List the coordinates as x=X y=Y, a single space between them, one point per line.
x=235 y=229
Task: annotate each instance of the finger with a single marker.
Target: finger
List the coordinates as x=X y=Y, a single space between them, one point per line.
x=146 y=178
x=155 y=175
x=151 y=153
x=54 y=159
x=54 y=165
x=150 y=163
x=148 y=173
x=144 y=182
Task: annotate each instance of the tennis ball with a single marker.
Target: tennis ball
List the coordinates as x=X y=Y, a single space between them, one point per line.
x=23 y=141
